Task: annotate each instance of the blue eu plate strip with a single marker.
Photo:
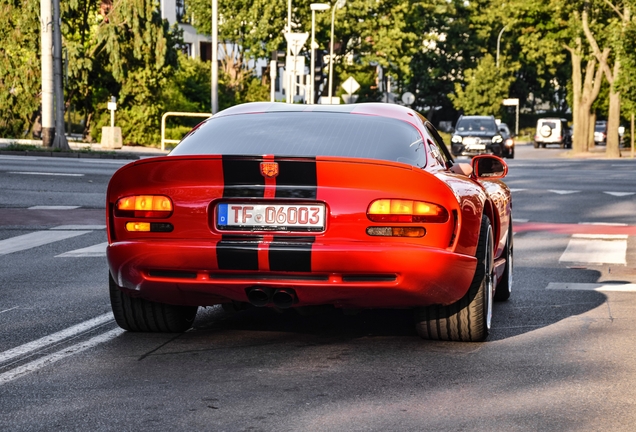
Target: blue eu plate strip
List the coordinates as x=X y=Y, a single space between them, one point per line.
x=221 y=212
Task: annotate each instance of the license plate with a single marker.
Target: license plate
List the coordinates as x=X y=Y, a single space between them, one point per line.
x=477 y=147
x=280 y=217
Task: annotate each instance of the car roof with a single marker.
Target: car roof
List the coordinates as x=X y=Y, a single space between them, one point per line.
x=367 y=108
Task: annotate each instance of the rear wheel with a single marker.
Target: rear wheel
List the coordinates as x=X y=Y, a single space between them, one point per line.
x=467 y=320
x=140 y=315
x=504 y=287
x=536 y=144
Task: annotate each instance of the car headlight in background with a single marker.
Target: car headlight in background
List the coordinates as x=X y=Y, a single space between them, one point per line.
x=509 y=142
x=456 y=139
x=497 y=139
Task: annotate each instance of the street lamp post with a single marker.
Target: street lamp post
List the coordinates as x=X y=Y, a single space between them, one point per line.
x=215 y=58
x=313 y=45
x=339 y=4
x=498 y=40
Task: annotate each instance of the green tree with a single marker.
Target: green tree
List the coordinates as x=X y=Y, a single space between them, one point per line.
x=486 y=87
x=20 y=71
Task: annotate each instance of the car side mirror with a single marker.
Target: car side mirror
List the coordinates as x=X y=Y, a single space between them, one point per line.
x=489 y=167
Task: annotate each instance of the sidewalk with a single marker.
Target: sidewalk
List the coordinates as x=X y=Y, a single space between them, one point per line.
x=81 y=150
x=597 y=152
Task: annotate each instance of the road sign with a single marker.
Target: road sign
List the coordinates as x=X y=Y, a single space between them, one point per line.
x=350 y=85
x=511 y=102
x=296 y=41
x=408 y=98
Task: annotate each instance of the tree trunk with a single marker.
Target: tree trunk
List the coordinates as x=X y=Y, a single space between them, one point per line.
x=590 y=131
x=576 y=103
x=613 y=120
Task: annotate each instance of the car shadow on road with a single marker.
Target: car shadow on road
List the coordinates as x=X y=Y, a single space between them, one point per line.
x=531 y=308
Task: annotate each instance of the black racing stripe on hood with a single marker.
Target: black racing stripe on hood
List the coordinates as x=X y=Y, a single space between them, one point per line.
x=238 y=253
x=242 y=178
x=290 y=254
x=296 y=179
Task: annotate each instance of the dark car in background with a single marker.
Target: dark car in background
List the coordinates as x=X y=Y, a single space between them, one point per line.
x=475 y=135
x=509 y=142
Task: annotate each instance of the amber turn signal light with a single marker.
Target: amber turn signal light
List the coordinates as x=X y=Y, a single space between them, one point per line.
x=409 y=211
x=148 y=227
x=144 y=206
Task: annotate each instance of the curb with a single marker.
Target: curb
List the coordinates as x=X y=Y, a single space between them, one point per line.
x=79 y=155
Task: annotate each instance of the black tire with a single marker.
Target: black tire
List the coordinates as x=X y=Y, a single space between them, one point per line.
x=467 y=320
x=562 y=145
x=536 y=144
x=139 y=315
x=504 y=287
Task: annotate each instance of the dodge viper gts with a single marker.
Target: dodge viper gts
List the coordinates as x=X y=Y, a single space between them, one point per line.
x=289 y=206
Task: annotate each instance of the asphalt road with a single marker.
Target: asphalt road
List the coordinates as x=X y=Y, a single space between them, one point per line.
x=560 y=356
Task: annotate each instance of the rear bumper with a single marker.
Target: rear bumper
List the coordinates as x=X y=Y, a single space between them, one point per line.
x=345 y=275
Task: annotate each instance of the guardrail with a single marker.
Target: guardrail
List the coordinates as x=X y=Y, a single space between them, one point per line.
x=176 y=114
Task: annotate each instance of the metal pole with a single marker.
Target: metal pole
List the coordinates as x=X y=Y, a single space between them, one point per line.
x=313 y=55
x=60 y=134
x=631 y=135
x=290 y=98
x=498 y=40
x=517 y=121
x=48 y=129
x=215 y=57
x=272 y=78
x=333 y=16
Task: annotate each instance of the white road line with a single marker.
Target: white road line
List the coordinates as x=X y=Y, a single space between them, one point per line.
x=10 y=309
x=596 y=249
x=51 y=207
x=79 y=227
x=563 y=192
x=620 y=194
x=105 y=161
x=35 y=239
x=98 y=250
x=54 y=338
x=520 y=220
x=18 y=157
x=46 y=173
x=52 y=358
x=517 y=190
x=591 y=287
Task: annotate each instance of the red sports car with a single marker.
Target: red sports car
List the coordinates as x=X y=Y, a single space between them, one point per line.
x=288 y=206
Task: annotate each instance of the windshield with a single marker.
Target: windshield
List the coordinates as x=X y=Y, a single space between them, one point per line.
x=307 y=134
x=599 y=128
x=476 y=125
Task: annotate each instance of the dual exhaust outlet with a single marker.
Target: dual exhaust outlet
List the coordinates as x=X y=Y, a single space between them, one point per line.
x=282 y=298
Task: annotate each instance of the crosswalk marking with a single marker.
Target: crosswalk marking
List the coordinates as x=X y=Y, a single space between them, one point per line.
x=620 y=194
x=79 y=227
x=596 y=249
x=34 y=239
x=592 y=286
x=97 y=250
x=563 y=192
x=47 y=207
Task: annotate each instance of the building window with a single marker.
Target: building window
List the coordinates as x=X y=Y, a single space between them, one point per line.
x=205 y=49
x=181 y=12
x=186 y=48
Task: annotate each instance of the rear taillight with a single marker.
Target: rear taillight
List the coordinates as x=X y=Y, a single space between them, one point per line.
x=407 y=211
x=144 y=206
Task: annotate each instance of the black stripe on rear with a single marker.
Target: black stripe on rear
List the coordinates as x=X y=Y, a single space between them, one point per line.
x=290 y=254
x=296 y=179
x=238 y=253
x=242 y=178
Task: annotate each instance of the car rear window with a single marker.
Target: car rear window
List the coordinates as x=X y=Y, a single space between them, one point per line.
x=307 y=134
x=551 y=125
